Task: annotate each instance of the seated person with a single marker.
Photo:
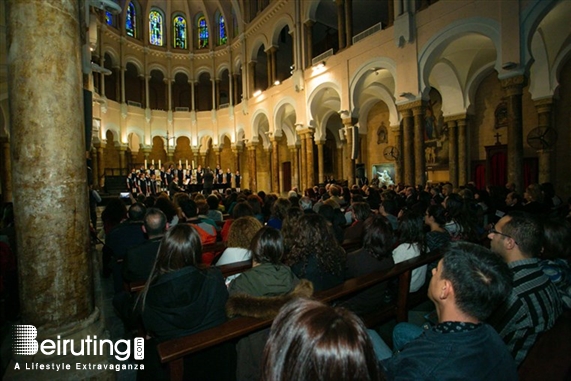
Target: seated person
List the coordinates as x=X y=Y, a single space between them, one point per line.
x=468 y=284
x=534 y=303
x=315 y=253
x=206 y=231
x=310 y=340
x=360 y=211
x=375 y=255
x=242 y=231
x=555 y=256
x=411 y=244
x=140 y=259
x=180 y=299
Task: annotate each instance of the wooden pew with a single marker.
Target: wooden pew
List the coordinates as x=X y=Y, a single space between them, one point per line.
x=550 y=357
x=172 y=352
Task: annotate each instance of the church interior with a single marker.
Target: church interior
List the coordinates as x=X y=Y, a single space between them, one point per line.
x=291 y=93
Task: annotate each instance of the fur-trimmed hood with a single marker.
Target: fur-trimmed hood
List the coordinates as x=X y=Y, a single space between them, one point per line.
x=265 y=307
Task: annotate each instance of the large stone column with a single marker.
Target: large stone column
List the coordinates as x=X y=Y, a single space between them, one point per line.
x=349 y=21
x=309 y=162
x=236 y=152
x=303 y=160
x=543 y=107
x=452 y=151
x=94 y=168
x=294 y=166
x=308 y=27
x=123 y=159
x=6 y=170
x=419 y=157
x=100 y=164
x=462 y=152
x=408 y=146
x=275 y=165
x=399 y=172
x=48 y=142
x=341 y=23
x=320 y=168
x=253 y=175
x=513 y=88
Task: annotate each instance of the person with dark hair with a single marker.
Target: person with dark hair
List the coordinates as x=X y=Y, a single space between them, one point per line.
x=256 y=203
x=435 y=219
x=213 y=212
x=468 y=284
x=315 y=254
x=168 y=208
x=140 y=259
x=555 y=256
x=460 y=221
x=208 y=181
x=206 y=230
x=241 y=209
x=534 y=303
x=360 y=211
x=389 y=209
x=328 y=212
x=310 y=340
x=180 y=299
x=242 y=231
x=279 y=212
x=375 y=255
x=412 y=244
x=124 y=236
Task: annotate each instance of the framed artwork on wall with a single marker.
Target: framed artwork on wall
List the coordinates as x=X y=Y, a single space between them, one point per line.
x=385 y=173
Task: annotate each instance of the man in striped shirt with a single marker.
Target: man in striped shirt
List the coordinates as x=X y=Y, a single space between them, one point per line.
x=534 y=303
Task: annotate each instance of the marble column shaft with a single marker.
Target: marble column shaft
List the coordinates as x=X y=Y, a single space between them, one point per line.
x=350 y=162
x=453 y=152
x=53 y=216
x=399 y=171
x=303 y=161
x=94 y=168
x=252 y=167
x=513 y=88
x=544 y=108
x=408 y=147
x=309 y=162
x=100 y=165
x=294 y=166
x=6 y=171
x=275 y=165
x=462 y=152
x=419 y=156
x=321 y=177
x=341 y=23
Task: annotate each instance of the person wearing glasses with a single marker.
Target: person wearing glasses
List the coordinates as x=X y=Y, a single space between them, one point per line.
x=534 y=303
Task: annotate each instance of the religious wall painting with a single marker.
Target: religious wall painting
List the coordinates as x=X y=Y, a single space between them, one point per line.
x=435 y=133
x=385 y=173
x=501 y=115
x=382 y=134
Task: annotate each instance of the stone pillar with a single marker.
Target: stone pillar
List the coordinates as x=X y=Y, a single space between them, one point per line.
x=309 y=41
x=251 y=78
x=217 y=90
x=399 y=170
x=320 y=168
x=142 y=82
x=123 y=159
x=6 y=170
x=349 y=21
x=391 y=9
x=341 y=23
x=340 y=161
x=513 y=88
x=102 y=77
x=192 y=95
x=123 y=70
x=544 y=107
x=236 y=152
x=408 y=145
x=94 y=168
x=54 y=254
x=217 y=153
x=100 y=164
x=350 y=161
x=419 y=157
x=452 y=151
x=253 y=175
x=275 y=165
x=294 y=166
x=236 y=99
x=462 y=153
x=302 y=164
x=309 y=161
x=202 y=159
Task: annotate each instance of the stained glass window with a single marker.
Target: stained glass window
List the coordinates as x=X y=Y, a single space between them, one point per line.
x=223 y=37
x=131 y=21
x=109 y=19
x=156 y=28
x=179 y=32
x=202 y=33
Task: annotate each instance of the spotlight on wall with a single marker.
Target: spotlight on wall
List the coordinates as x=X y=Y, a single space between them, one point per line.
x=375 y=70
x=277 y=82
x=257 y=92
x=509 y=65
x=319 y=65
x=106 y=5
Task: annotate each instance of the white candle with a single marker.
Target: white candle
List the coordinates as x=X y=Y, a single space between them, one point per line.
x=186 y=163
x=180 y=163
x=159 y=163
x=145 y=163
x=153 y=162
x=193 y=164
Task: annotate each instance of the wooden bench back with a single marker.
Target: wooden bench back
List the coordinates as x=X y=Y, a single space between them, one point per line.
x=174 y=351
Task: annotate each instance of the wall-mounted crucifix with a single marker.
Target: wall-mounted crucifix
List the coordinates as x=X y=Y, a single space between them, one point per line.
x=497 y=136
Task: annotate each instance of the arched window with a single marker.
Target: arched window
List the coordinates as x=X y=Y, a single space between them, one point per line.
x=109 y=19
x=222 y=35
x=202 y=33
x=179 y=32
x=131 y=21
x=156 y=28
